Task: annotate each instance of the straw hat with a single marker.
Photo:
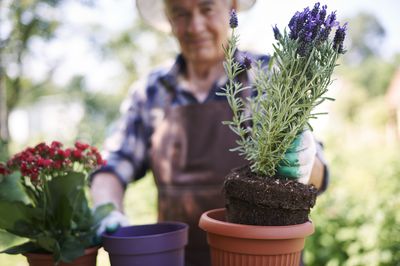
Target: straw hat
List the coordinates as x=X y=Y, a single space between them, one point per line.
x=152 y=12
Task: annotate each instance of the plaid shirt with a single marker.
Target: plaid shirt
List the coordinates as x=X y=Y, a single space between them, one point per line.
x=127 y=149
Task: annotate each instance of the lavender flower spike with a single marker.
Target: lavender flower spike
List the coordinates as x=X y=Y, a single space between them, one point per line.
x=331 y=20
x=315 y=10
x=246 y=63
x=277 y=33
x=233 y=21
x=322 y=13
x=339 y=38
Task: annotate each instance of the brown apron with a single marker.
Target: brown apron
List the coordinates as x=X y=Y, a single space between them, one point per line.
x=190 y=157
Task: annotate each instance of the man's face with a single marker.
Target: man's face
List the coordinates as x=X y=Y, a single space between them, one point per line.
x=201 y=27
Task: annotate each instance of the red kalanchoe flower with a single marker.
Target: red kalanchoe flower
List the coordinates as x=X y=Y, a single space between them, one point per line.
x=81 y=146
x=49 y=161
x=44 y=162
x=100 y=160
x=57 y=164
x=77 y=153
x=34 y=177
x=61 y=153
x=3 y=169
x=67 y=153
x=56 y=144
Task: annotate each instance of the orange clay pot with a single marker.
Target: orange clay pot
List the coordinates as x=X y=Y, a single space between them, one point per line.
x=88 y=259
x=253 y=245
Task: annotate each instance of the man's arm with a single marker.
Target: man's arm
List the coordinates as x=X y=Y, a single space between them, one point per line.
x=107 y=188
x=125 y=152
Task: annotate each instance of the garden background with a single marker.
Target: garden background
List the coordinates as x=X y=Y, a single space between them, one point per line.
x=66 y=65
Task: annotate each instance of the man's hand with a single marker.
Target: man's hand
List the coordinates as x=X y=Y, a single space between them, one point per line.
x=112 y=222
x=299 y=158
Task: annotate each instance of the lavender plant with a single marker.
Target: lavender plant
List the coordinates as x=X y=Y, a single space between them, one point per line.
x=287 y=90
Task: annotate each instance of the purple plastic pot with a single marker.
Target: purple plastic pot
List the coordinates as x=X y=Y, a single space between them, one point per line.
x=161 y=244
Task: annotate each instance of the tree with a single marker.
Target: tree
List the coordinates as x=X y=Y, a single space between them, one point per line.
x=366 y=34
x=363 y=63
x=24 y=20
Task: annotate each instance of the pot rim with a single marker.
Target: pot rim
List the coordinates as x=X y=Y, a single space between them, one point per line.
x=184 y=227
x=147 y=239
x=213 y=221
x=89 y=250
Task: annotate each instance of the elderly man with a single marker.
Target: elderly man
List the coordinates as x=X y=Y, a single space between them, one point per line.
x=173 y=124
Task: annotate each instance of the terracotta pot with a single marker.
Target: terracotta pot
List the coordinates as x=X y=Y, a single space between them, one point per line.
x=161 y=244
x=252 y=245
x=88 y=259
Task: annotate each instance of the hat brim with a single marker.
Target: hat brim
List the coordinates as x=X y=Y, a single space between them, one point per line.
x=152 y=12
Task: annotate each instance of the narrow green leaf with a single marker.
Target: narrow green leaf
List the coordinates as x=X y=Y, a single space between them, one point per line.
x=48 y=243
x=71 y=249
x=21 y=213
x=11 y=189
x=22 y=248
x=102 y=211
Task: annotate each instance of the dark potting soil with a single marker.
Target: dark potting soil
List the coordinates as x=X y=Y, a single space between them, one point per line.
x=255 y=200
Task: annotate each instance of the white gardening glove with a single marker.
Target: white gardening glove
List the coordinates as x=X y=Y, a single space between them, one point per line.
x=112 y=222
x=299 y=158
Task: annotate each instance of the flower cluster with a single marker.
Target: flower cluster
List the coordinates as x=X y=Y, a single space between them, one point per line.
x=50 y=160
x=43 y=199
x=287 y=90
x=312 y=28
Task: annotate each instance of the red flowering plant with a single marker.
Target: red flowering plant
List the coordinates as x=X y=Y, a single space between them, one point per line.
x=43 y=199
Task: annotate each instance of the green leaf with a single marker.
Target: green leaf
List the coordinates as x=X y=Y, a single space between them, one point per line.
x=64 y=193
x=48 y=243
x=83 y=217
x=64 y=212
x=22 y=248
x=69 y=186
x=17 y=213
x=11 y=189
x=71 y=249
x=102 y=211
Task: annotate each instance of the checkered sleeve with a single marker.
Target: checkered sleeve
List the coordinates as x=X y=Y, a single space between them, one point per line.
x=125 y=150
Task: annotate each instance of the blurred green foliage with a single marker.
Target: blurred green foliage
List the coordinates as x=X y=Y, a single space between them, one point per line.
x=367 y=34
x=357 y=219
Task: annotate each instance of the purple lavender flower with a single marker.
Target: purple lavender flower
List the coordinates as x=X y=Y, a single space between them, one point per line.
x=331 y=20
x=296 y=24
x=340 y=34
x=313 y=27
x=322 y=13
x=310 y=28
x=245 y=62
x=233 y=21
x=315 y=10
x=302 y=19
x=277 y=33
x=305 y=43
x=324 y=34
x=293 y=26
x=319 y=18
